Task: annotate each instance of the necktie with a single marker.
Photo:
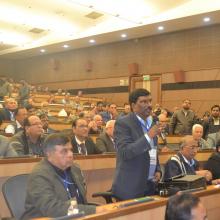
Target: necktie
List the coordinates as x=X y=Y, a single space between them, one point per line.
x=83 y=148
x=12 y=117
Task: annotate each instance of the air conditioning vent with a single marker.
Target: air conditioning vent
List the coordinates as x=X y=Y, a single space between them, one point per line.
x=36 y=30
x=94 y=15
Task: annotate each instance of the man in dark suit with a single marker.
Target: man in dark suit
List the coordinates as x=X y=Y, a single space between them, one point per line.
x=81 y=142
x=105 y=141
x=7 y=113
x=56 y=186
x=137 y=166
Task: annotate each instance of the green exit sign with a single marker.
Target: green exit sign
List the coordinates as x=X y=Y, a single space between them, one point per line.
x=146 y=77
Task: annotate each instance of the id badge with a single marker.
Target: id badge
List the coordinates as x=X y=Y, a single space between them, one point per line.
x=153 y=156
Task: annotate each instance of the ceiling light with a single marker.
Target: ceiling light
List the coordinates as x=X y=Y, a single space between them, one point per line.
x=206 y=19
x=42 y=50
x=123 y=35
x=160 y=28
x=65 y=46
x=92 y=41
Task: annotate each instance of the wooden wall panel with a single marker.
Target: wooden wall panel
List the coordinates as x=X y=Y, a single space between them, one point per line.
x=188 y=50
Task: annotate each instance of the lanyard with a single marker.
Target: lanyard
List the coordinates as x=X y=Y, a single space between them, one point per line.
x=66 y=184
x=145 y=124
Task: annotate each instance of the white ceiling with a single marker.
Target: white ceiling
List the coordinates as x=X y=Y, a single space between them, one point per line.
x=26 y=26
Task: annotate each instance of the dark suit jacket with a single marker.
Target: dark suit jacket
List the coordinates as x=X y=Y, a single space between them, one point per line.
x=90 y=146
x=133 y=159
x=5 y=115
x=174 y=168
x=181 y=124
x=104 y=143
x=46 y=194
x=213 y=165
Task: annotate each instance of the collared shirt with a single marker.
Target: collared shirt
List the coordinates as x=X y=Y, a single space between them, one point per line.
x=35 y=148
x=78 y=142
x=146 y=125
x=68 y=183
x=190 y=163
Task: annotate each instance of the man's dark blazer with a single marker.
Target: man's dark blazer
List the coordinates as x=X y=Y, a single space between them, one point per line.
x=46 y=194
x=5 y=115
x=133 y=159
x=104 y=143
x=90 y=146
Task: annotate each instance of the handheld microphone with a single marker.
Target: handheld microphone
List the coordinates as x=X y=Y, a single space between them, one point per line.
x=162 y=133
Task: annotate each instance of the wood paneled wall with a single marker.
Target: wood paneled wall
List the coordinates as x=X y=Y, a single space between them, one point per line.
x=189 y=50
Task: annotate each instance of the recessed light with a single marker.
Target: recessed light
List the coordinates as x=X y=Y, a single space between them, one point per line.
x=160 y=28
x=42 y=50
x=92 y=41
x=206 y=19
x=123 y=35
x=65 y=46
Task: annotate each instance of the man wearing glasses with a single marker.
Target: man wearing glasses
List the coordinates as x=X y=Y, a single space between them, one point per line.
x=56 y=186
x=29 y=141
x=81 y=142
x=183 y=163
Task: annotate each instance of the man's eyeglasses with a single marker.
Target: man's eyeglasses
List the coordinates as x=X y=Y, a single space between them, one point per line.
x=193 y=147
x=36 y=124
x=82 y=126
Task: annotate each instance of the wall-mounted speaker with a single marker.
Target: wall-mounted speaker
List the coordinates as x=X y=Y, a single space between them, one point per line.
x=179 y=76
x=133 y=68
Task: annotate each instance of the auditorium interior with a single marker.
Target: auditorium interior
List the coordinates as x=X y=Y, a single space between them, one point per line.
x=67 y=57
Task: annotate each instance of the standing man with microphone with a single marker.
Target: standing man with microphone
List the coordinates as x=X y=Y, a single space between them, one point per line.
x=135 y=135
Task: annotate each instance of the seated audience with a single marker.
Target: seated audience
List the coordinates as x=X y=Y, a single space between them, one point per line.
x=197 y=133
x=110 y=114
x=45 y=124
x=59 y=92
x=81 y=142
x=212 y=125
x=5 y=149
x=213 y=163
x=24 y=92
x=105 y=142
x=86 y=115
x=164 y=121
x=99 y=108
x=183 y=163
x=62 y=113
x=8 y=112
x=67 y=100
x=213 y=138
x=17 y=125
x=29 y=141
x=51 y=99
x=127 y=109
x=95 y=126
x=56 y=182
x=157 y=109
x=5 y=88
x=185 y=207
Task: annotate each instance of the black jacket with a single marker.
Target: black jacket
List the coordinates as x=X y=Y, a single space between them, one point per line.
x=90 y=146
x=213 y=165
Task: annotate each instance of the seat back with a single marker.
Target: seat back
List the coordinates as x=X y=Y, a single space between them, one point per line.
x=14 y=191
